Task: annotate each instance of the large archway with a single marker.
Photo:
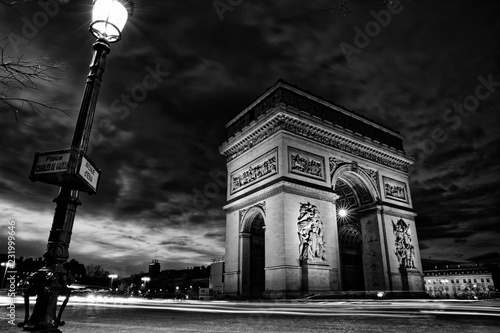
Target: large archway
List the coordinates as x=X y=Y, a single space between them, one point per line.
x=351 y=259
x=257 y=257
x=355 y=195
x=253 y=253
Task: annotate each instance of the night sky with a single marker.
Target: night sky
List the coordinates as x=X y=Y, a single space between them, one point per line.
x=158 y=151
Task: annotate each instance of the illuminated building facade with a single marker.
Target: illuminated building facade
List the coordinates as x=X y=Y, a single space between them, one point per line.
x=465 y=281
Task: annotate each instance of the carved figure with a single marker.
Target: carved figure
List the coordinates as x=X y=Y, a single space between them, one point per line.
x=310 y=232
x=405 y=251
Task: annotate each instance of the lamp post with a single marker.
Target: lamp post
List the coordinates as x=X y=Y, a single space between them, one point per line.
x=4 y=264
x=79 y=174
x=112 y=277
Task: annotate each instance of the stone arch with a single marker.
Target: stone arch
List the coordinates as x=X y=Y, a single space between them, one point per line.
x=248 y=216
x=357 y=190
x=358 y=177
x=350 y=234
x=252 y=251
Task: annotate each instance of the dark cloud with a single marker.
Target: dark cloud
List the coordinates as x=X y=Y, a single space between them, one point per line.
x=158 y=158
x=214 y=235
x=492 y=256
x=179 y=241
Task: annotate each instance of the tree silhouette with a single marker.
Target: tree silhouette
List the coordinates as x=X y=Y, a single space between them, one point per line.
x=18 y=76
x=96 y=276
x=342 y=6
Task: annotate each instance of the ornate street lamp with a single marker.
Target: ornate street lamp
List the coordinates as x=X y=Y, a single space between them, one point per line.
x=72 y=170
x=109 y=18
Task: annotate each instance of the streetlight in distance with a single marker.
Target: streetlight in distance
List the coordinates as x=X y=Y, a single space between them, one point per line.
x=73 y=171
x=146 y=279
x=7 y=265
x=112 y=277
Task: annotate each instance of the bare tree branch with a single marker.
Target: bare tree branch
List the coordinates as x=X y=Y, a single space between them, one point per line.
x=341 y=6
x=18 y=74
x=11 y=4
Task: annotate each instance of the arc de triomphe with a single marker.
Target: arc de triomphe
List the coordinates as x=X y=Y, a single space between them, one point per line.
x=318 y=201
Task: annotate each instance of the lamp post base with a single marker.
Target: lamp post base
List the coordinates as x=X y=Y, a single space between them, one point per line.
x=47 y=285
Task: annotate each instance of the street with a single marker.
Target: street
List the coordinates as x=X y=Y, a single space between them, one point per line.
x=138 y=315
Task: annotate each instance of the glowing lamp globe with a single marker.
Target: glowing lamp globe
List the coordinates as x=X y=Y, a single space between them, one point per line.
x=109 y=18
x=342 y=213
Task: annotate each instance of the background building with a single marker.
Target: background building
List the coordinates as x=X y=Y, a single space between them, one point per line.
x=216 y=283
x=154 y=268
x=179 y=283
x=464 y=281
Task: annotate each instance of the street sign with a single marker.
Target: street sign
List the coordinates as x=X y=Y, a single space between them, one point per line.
x=49 y=167
x=69 y=166
x=51 y=162
x=89 y=173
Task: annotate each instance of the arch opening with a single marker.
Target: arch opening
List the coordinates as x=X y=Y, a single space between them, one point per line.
x=257 y=257
x=252 y=255
x=353 y=195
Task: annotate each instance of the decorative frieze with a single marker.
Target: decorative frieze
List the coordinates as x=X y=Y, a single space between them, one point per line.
x=340 y=143
x=259 y=169
x=267 y=193
x=306 y=164
x=302 y=102
x=285 y=123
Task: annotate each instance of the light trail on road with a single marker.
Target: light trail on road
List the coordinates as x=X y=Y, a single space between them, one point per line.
x=397 y=309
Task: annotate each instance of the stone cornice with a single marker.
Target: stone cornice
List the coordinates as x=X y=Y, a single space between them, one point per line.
x=281 y=187
x=305 y=191
x=398 y=212
x=281 y=122
x=272 y=268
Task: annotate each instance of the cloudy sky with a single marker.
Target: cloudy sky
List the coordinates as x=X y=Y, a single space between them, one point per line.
x=156 y=152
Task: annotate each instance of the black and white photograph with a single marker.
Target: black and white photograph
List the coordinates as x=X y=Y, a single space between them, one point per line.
x=249 y=166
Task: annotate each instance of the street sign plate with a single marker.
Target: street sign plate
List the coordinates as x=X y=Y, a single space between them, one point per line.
x=51 y=162
x=89 y=173
x=68 y=166
x=51 y=167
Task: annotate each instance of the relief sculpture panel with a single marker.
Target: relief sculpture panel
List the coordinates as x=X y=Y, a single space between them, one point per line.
x=261 y=168
x=306 y=164
x=395 y=190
